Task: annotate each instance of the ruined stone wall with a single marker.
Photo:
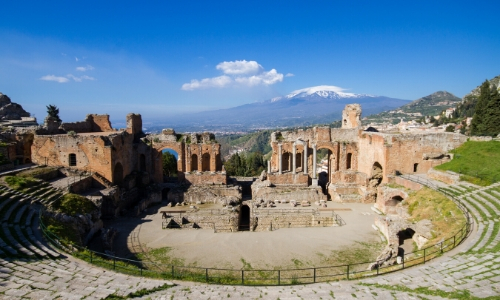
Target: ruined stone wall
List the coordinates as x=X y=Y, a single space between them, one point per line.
x=444 y=176
x=289 y=179
x=92 y=123
x=92 y=152
x=425 y=150
x=405 y=182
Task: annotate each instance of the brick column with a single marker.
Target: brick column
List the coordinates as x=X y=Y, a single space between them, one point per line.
x=294 y=159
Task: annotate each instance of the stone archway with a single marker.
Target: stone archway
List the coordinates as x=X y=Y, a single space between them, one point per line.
x=194 y=162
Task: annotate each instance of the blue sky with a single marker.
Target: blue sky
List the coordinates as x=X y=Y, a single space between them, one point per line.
x=162 y=58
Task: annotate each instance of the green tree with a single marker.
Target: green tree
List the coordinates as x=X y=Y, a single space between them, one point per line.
x=169 y=164
x=478 y=126
x=491 y=116
x=53 y=112
x=450 y=128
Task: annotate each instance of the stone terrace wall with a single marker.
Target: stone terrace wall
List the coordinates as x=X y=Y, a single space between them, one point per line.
x=206 y=178
x=274 y=221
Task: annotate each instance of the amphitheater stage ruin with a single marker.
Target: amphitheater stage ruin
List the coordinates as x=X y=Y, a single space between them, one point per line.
x=264 y=249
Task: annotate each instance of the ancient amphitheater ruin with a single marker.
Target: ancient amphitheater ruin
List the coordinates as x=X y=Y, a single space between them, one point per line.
x=120 y=170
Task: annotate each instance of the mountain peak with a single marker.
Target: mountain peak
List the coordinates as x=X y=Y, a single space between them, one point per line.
x=320 y=91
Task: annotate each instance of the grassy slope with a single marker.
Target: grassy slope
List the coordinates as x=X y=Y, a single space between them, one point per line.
x=478 y=161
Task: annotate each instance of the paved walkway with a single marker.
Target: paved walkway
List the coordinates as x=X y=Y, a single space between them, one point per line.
x=469 y=270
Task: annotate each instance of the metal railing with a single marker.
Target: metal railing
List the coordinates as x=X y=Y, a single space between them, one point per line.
x=265 y=276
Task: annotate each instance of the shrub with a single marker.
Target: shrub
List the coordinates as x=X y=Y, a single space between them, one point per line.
x=19 y=183
x=72 y=204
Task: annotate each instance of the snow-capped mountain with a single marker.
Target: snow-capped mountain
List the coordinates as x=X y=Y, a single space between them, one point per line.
x=314 y=105
x=321 y=91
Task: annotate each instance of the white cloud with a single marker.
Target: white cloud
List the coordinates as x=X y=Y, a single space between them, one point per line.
x=54 y=78
x=289 y=75
x=76 y=58
x=237 y=73
x=83 y=69
x=239 y=67
x=218 y=82
x=265 y=78
x=81 y=78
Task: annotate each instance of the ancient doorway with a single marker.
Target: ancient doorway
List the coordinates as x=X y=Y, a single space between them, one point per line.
x=118 y=174
x=415 y=168
x=298 y=161
x=324 y=168
x=169 y=165
x=194 y=162
x=244 y=222
x=348 y=161
x=205 y=162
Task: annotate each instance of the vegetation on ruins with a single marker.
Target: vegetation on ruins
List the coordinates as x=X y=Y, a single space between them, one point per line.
x=477 y=162
x=19 y=183
x=467 y=107
x=427 y=204
x=72 y=204
x=169 y=164
x=249 y=164
x=53 y=112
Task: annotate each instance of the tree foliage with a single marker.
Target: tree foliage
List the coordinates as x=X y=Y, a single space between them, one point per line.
x=53 y=112
x=250 y=164
x=486 y=119
x=169 y=164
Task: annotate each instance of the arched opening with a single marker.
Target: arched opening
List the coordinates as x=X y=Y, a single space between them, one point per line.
x=118 y=174
x=169 y=165
x=72 y=159
x=324 y=167
x=405 y=241
x=415 y=168
x=285 y=162
x=244 y=222
x=375 y=179
x=142 y=163
x=348 y=161
x=194 y=162
x=205 y=162
x=391 y=205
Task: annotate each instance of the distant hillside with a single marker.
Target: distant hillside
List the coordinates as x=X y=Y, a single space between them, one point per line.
x=251 y=142
x=430 y=105
x=467 y=107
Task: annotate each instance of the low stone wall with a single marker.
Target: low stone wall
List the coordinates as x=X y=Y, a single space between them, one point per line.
x=288 y=178
x=271 y=222
x=405 y=182
x=81 y=186
x=152 y=197
x=297 y=193
x=223 y=223
x=446 y=177
x=206 y=178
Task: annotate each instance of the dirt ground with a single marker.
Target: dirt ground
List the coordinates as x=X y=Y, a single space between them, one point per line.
x=285 y=247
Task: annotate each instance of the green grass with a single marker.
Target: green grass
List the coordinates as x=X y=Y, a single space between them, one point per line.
x=20 y=183
x=478 y=162
x=139 y=293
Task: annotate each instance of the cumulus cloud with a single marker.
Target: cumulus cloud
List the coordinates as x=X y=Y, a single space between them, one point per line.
x=54 y=78
x=218 y=82
x=237 y=73
x=86 y=68
x=265 y=78
x=239 y=67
